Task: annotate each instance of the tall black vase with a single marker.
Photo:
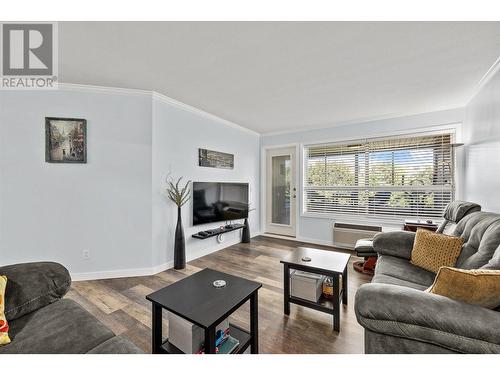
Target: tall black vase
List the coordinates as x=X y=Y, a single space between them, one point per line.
x=180 y=244
x=245 y=236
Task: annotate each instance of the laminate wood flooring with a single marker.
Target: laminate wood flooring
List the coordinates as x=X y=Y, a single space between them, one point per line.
x=120 y=303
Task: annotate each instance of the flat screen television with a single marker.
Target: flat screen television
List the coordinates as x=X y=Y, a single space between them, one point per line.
x=219 y=201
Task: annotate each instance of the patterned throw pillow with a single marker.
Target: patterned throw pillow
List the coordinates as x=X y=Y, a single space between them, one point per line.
x=4 y=327
x=431 y=251
x=476 y=287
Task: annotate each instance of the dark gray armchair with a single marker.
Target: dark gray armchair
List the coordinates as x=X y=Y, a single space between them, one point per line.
x=41 y=321
x=400 y=317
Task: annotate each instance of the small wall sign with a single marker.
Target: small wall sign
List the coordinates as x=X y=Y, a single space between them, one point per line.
x=215 y=159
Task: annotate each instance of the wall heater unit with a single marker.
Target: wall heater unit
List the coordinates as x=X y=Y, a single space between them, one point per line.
x=346 y=235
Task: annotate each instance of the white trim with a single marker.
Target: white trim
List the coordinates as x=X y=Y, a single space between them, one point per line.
x=300 y=239
x=157 y=96
x=452 y=126
x=287 y=145
x=376 y=188
x=263 y=179
x=456 y=130
x=113 y=274
x=316 y=241
x=361 y=120
x=187 y=107
x=200 y=112
x=384 y=222
x=135 y=272
x=162 y=267
x=485 y=79
x=103 y=89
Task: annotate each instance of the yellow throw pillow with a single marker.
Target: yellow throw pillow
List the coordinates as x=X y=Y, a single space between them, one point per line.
x=4 y=327
x=476 y=287
x=432 y=251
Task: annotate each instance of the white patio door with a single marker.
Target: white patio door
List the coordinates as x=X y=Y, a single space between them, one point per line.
x=281 y=192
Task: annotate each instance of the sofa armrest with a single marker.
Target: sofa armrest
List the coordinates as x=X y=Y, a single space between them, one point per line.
x=413 y=314
x=398 y=244
x=31 y=286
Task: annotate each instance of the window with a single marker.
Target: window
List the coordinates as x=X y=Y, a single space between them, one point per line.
x=381 y=178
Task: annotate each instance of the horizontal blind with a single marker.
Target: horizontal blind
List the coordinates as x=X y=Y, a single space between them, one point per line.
x=403 y=177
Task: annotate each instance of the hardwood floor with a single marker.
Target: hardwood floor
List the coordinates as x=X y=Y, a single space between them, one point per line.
x=120 y=304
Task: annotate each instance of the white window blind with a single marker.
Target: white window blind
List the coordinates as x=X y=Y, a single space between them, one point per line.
x=405 y=177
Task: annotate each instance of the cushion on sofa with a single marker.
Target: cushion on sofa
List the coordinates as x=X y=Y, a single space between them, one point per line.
x=476 y=287
x=391 y=280
x=32 y=286
x=412 y=314
x=494 y=262
x=4 y=326
x=398 y=244
x=402 y=269
x=432 y=251
x=481 y=234
x=457 y=210
x=61 y=327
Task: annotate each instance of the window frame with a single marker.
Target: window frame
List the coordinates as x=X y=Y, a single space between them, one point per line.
x=454 y=129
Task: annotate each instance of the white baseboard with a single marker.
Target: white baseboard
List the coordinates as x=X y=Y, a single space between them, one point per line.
x=313 y=241
x=113 y=274
x=134 y=272
x=160 y=268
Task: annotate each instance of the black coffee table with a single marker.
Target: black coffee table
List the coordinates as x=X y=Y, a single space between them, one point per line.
x=195 y=299
x=322 y=262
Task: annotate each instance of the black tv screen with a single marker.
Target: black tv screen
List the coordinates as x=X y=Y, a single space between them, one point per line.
x=219 y=201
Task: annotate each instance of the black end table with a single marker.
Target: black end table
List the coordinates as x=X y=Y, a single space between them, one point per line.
x=322 y=262
x=195 y=299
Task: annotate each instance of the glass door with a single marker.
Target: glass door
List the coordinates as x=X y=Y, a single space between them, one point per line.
x=281 y=191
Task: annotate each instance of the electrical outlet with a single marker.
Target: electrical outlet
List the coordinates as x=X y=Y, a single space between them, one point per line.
x=86 y=254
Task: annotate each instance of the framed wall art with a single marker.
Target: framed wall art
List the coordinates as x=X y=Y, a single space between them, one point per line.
x=65 y=140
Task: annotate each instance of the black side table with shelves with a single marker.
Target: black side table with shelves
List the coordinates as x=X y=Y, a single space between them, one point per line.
x=195 y=299
x=321 y=262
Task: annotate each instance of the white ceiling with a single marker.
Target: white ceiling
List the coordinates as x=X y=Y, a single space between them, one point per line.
x=278 y=76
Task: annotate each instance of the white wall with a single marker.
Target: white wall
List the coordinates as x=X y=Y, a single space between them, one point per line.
x=113 y=205
x=482 y=146
x=319 y=230
x=55 y=211
x=177 y=135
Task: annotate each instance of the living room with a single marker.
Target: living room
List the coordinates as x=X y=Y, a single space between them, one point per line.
x=249 y=187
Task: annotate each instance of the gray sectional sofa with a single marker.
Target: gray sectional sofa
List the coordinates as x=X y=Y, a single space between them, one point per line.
x=42 y=322
x=400 y=317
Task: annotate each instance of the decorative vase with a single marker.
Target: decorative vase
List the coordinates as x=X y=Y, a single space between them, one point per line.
x=180 y=244
x=245 y=236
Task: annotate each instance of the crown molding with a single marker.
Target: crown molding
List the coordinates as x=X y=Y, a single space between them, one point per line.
x=361 y=120
x=167 y=100
x=103 y=89
x=485 y=79
x=189 y=108
x=157 y=96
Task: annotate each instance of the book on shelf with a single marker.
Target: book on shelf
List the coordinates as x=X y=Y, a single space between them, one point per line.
x=225 y=343
x=228 y=346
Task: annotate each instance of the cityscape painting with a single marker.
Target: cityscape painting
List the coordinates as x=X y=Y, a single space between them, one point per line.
x=215 y=159
x=65 y=140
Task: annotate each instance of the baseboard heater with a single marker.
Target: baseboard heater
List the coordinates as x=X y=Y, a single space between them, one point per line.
x=346 y=235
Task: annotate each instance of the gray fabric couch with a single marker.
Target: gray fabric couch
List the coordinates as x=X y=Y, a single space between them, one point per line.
x=400 y=317
x=42 y=322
